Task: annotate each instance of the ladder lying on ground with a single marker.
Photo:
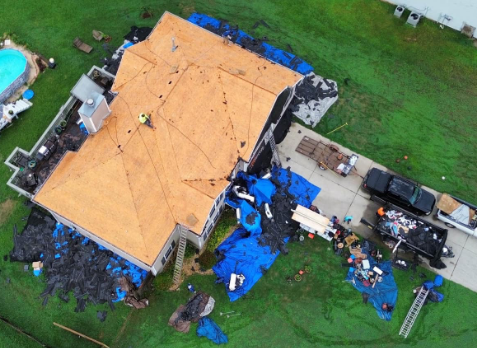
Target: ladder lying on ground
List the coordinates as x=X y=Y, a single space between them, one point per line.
x=413 y=312
x=180 y=255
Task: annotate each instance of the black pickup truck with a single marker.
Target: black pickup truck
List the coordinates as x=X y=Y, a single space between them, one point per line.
x=399 y=191
x=413 y=233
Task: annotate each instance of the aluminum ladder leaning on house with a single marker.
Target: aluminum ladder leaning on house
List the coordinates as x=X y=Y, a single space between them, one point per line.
x=180 y=255
x=413 y=312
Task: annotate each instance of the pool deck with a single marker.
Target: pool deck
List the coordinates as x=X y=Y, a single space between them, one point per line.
x=33 y=74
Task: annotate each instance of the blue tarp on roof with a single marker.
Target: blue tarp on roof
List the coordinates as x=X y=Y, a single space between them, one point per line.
x=238 y=36
x=208 y=328
x=244 y=251
x=383 y=292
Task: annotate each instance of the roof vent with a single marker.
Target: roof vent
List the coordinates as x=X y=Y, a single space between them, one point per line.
x=90 y=102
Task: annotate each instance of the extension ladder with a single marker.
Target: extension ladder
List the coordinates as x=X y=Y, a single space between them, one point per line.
x=413 y=312
x=180 y=255
x=275 y=156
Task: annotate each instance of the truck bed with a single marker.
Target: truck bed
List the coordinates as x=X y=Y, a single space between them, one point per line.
x=470 y=227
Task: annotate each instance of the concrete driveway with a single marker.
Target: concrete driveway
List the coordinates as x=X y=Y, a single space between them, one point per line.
x=342 y=196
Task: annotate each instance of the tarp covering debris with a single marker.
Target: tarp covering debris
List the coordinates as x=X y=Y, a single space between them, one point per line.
x=250 y=252
x=198 y=306
x=384 y=292
x=249 y=217
x=261 y=189
x=264 y=49
x=208 y=328
x=73 y=263
x=241 y=253
x=314 y=95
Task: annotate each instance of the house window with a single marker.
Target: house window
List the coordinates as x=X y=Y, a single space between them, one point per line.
x=205 y=236
x=168 y=252
x=163 y=261
x=173 y=244
x=210 y=228
x=216 y=218
x=212 y=211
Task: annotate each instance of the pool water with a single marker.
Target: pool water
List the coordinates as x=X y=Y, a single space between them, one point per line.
x=12 y=65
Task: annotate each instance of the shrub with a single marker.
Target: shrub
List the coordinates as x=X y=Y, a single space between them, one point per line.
x=207 y=259
x=227 y=220
x=163 y=281
x=190 y=251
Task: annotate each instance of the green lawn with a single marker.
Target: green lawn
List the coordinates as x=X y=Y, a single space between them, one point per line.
x=411 y=92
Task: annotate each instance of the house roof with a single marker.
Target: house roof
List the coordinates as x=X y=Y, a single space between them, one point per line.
x=129 y=184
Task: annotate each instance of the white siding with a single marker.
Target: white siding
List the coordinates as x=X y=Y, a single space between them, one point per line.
x=461 y=11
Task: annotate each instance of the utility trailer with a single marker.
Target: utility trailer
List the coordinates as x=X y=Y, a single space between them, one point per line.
x=402 y=229
x=328 y=156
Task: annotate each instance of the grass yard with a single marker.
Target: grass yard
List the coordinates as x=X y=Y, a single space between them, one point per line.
x=411 y=92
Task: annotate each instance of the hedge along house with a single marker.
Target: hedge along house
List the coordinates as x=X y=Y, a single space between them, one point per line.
x=214 y=107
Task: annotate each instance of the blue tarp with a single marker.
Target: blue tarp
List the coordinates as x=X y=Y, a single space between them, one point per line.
x=261 y=189
x=238 y=36
x=383 y=292
x=249 y=218
x=208 y=328
x=304 y=191
x=242 y=253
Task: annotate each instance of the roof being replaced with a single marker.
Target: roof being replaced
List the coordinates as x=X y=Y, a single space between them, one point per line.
x=129 y=184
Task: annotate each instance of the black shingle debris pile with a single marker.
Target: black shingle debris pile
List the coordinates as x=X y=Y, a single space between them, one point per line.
x=138 y=34
x=281 y=226
x=314 y=95
x=71 y=262
x=134 y=36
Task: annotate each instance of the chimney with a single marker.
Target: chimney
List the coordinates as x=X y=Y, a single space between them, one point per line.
x=93 y=112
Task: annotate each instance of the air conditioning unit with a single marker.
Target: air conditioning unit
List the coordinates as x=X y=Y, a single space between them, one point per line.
x=468 y=30
x=413 y=19
x=399 y=11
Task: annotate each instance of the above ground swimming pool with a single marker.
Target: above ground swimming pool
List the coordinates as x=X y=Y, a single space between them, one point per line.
x=14 y=70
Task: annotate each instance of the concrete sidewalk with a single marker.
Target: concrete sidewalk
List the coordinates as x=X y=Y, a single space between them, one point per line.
x=342 y=196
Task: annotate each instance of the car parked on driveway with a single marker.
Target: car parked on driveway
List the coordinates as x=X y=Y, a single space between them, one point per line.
x=399 y=191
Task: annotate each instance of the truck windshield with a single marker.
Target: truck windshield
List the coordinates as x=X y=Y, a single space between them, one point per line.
x=415 y=196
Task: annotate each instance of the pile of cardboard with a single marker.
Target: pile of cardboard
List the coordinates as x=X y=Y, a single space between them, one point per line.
x=448 y=205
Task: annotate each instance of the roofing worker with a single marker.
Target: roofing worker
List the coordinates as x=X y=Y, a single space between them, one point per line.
x=380 y=212
x=144 y=119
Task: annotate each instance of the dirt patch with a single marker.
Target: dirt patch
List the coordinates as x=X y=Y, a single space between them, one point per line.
x=187 y=9
x=146 y=15
x=123 y=327
x=190 y=263
x=6 y=209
